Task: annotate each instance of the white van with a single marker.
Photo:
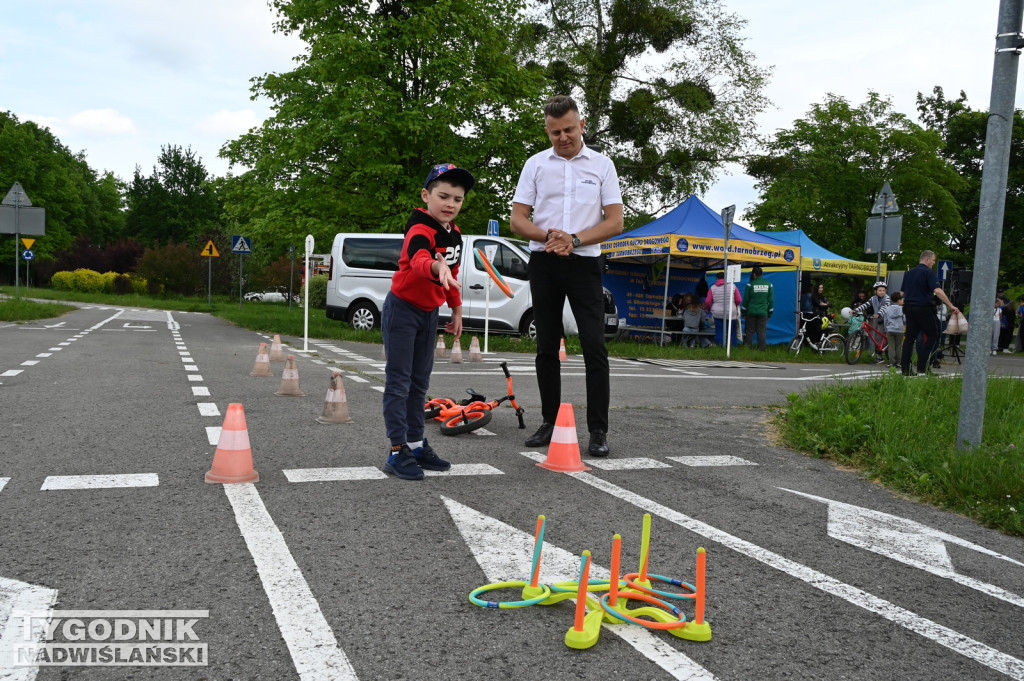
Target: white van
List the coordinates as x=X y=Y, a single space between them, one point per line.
x=362 y=265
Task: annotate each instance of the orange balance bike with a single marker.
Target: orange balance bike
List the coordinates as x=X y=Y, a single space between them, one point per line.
x=470 y=413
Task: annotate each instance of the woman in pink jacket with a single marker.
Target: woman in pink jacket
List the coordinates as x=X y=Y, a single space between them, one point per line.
x=715 y=302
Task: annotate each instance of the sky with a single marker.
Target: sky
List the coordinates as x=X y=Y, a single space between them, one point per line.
x=118 y=79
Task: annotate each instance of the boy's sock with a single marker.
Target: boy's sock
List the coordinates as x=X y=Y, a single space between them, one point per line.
x=416 y=445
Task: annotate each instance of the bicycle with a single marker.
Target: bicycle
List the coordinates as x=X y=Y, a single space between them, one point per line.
x=858 y=340
x=470 y=413
x=828 y=342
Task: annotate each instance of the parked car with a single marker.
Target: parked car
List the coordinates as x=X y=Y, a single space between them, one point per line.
x=362 y=266
x=274 y=294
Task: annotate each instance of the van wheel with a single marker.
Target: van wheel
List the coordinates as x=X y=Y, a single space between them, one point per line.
x=527 y=327
x=363 y=316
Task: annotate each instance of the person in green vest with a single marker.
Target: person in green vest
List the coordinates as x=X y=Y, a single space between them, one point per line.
x=758 y=305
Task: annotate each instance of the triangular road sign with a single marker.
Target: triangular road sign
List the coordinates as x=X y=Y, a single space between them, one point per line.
x=209 y=250
x=16 y=196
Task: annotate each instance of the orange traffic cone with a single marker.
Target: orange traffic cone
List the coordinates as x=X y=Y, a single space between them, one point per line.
x=262 y=365
x=276 y=355
x=290 y=380
x=561 y=351
x=564 y=450
x=456 y=356
x=335 y=405
x=439 y=350
x=232 y=462
x=474 y=350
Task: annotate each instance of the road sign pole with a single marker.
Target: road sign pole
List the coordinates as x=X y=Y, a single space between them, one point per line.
x=17 y=235
x=209 y=281
x=305 y=295
x=878 y=269
x=239 y=281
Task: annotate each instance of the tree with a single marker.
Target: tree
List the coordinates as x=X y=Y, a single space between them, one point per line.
x=384 y=91
x=823 y=174
x=176 y=203
x=666 y=88
x=77 y=200
x=963 y=130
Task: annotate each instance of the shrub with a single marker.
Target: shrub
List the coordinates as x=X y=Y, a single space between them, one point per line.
x=108 y=281
x=318 y=292
x=88 y=281
x=122 y=284
x=63 y=281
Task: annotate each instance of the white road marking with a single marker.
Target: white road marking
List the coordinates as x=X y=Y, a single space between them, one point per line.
x=200 y=391
x=4 y=481
x=18 y=596
x=466 y=469
x=54 y=482
x=334 y=474
x=908 y=542
x=56 y=349
x=355 y=377
x=45 y=354
x=191 y=367
x=30 y=363
x=12 y=372
x=195 y=377
x=638 y=463
x=213 y=434
x=712 y=461
x=311 y=642
x=505 y=553
x=379 y=388
x=187 y=359
x=208 y=409
x=944 y=636
x=482 y=431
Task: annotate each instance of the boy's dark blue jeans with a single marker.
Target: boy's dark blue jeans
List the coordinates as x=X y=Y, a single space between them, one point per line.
x=409 y=342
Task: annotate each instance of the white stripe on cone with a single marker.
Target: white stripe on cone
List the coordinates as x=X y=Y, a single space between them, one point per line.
x=233 y=440
x=565 y=435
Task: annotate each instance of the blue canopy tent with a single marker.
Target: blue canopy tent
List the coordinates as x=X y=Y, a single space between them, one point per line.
x=675 y=250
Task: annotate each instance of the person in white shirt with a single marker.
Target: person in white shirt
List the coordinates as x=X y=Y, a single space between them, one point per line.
x=566 y=203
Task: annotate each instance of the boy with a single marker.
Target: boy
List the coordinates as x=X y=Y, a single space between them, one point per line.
x=427 y=276
x=894 y=323
x=877 y=305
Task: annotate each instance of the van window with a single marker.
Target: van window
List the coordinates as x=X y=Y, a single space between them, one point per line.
x=507 y=261
x=372 y=254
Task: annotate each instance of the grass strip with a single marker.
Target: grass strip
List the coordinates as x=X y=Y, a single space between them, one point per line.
x=902 y=434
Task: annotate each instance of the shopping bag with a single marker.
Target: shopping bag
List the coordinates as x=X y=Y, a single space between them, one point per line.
x=962 y=322
x=953 y=327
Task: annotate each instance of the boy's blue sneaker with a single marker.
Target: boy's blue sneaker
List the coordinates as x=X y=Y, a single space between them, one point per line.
x=428 y=459
x=402 y=464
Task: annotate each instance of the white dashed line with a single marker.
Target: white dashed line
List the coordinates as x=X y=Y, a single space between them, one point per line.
x=712 y=461
x=634 y=464
x=55 y=482
x=213 y=434
x=200 y=391
x=334 y=474
x=208 y=409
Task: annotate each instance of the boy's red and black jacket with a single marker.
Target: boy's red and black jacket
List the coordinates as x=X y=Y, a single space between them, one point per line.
x=413 y=282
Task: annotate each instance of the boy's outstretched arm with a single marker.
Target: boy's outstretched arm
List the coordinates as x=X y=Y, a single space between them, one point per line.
x=454 y=327
x=440 y=269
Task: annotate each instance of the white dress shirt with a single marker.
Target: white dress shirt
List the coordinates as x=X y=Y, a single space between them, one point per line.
x=568 y=194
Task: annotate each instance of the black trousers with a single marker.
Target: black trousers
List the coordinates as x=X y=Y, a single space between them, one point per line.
x=921 y=320
x=553 y=279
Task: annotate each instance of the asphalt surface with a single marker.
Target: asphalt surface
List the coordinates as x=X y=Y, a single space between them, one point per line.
x=812 y=572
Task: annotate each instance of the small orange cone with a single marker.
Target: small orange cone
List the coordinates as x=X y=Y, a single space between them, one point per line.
x=262 y=365
x=561 y=351
x=474 y=350
x=276 y=355
x=335 y=405
x=456 y=356
x=290 y=380
x=232 y=462
x=564 y=450
x=439 y=351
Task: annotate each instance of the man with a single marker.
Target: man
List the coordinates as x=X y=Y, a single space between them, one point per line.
x=758 y=305
x=573 y=194
x=919 y=285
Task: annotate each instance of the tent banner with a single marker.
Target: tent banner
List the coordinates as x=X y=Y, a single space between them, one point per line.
x=854 y=267
x=639 y=290
x=665 y=244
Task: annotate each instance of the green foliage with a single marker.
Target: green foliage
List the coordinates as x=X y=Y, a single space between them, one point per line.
x=384 y=91
x=318 y=292
x=90 y=281
x=882 y=427
x=175 y=268
x=669 y=129
x=176 y=204
x=78 y=201
x=21 y=310
x=963 y=130
x=822 y=176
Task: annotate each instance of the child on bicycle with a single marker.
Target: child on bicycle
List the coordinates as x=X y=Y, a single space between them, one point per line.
x=427 y=276
x=895 y=321
x=877 y=305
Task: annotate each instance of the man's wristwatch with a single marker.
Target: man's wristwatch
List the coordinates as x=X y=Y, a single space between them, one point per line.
x=575 y=241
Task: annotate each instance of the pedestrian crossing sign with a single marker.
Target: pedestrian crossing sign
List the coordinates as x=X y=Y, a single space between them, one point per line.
x=242 y=245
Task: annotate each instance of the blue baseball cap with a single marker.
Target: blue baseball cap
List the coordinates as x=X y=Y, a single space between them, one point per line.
x=458 y=176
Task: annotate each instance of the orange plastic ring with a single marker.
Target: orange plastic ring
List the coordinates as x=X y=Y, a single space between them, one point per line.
x=482 y=260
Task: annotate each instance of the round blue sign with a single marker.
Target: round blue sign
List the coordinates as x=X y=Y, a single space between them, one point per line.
x=788 y=256
x=28 y=255
x=682 y=245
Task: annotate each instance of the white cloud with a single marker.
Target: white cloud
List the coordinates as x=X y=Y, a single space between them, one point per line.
x=99 y=123
x=228 y=124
